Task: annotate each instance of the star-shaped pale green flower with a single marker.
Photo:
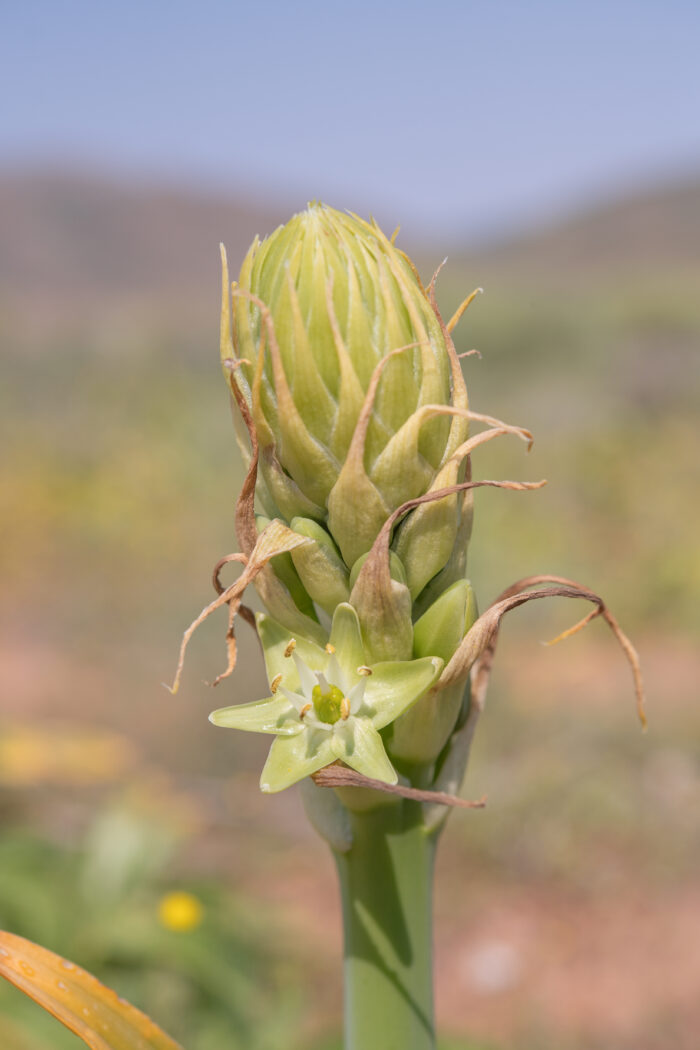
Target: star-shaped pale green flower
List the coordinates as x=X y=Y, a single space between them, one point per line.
x=326 y=704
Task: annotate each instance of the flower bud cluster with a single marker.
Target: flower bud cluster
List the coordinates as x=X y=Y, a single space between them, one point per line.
x=355 y=514
x=356 y=404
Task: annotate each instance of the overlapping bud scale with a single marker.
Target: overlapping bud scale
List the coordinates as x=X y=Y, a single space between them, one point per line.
x=345 y=395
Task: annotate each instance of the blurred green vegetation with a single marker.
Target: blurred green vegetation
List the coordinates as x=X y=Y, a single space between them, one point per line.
x=210 y=985
x=609 y=383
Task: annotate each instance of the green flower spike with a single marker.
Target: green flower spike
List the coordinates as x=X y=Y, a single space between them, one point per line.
x=326 y=704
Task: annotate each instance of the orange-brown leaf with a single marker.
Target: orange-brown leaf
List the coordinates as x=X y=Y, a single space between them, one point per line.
x=79 y=1001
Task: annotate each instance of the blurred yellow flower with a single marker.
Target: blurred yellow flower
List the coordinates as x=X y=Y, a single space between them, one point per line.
x=180 y=911
x=31 y=755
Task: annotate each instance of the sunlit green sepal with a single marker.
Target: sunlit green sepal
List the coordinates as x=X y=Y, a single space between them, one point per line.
x=359 y=745
x=273 y=715
x=393 y=687
x=292 y=758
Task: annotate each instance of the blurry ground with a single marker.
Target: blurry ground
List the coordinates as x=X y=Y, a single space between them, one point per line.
x=567 y=912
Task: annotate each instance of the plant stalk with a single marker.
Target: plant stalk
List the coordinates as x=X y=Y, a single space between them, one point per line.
x=386 y=881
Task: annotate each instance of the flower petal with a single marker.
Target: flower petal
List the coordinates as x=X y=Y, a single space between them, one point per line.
x=360 y=746
x=296 y=700
x=393 y=687
x=273 y=715
x=307 y=677
x=356 y=696
x=346 y=639
x=292 y=758
x=337 y=676
x=275 y=639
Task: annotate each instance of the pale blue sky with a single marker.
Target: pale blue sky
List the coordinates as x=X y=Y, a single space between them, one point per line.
x=464 y=116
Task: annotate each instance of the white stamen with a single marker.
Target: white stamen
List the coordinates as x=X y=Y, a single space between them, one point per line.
x=306 y=675
x=356 y=697
x=335 y=674
x=296 y=699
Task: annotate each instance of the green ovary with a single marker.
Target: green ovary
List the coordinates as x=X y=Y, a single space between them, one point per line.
x=328 y=705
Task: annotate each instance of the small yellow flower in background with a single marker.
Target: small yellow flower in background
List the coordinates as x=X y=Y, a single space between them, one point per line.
x=62 y=754
x=180 y=911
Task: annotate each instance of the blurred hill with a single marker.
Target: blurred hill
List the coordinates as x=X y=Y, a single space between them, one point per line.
x=638 y=233
x=78 y=249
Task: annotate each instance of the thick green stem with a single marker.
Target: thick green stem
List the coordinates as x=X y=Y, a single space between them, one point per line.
x=386 y=883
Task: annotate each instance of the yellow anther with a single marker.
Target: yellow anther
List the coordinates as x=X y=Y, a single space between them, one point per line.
x=274 y=684
x=364 y=670
x=290 y=647
x=344 y=708
x=305 y=709
x=330 y=649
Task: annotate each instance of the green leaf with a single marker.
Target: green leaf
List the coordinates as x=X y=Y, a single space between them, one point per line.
x=393 y=687
x=77 y=999
x=273 y=715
